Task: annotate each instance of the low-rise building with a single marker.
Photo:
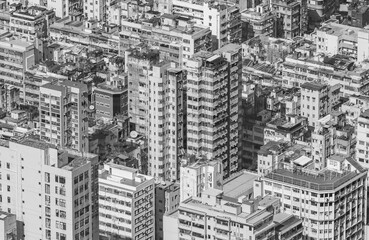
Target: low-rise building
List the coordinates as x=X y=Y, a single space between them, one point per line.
x=8 y=226
x=198 y=175
x=318 y=100
x=332 y=135
x=290 y=128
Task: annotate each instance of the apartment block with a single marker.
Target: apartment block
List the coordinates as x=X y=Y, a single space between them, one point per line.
x=223 y=18
x=126 y=203
x=165 y=121
x=127 y=9
x=332 y=135
x=9 y=97
x=63 y=114
x=61 y=8
x=16 y=56
x=259 y=21
x=354 y=106
x=273 y=153
x=32 y=22
x=212 y=106
x=362 y=144
x=110 y=101
x=333 y=38
x=34 y=78
x=318 y=100
x=331 y=202
x=73 y=30
x=320 y=11
x=216 y=216
x=178 y=37
x=167 y=199
x=198 y=175
x=139 y=63
x=288 y=18
x=95 y=10
x=52 y=192
x=289 y=128
x=332 y=70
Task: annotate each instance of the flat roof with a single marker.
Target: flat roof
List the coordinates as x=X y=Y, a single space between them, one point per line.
x=303 y=161
x=325 y=180
x=238 y=186
x=313 y=86
x=36 y=144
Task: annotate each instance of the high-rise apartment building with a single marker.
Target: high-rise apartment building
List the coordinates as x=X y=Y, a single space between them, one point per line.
x=288 y=18
x=138 y=65
x=126 y=203
x=318 y=100
x=332 y=202
x=166 y=114
x=212 y=106
x=63 y=115
x=198 y=175
x=52 y=192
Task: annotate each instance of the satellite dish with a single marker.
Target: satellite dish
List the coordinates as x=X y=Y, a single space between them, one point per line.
x=133 y=134
x=92 y=107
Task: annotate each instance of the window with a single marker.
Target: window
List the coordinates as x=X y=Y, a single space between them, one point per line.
x=8 y=165
x=47 y=188
x=61 y=180
x=8 y=177
x=47 y=177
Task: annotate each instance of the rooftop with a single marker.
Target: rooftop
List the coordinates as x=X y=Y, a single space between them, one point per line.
x=237 y=186
x=317 y=180
x=313 y=86
x=4 y=215
x=273 y=147
x=36 y=143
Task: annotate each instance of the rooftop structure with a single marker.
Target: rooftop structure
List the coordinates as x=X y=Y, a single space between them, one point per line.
x=255 y=216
